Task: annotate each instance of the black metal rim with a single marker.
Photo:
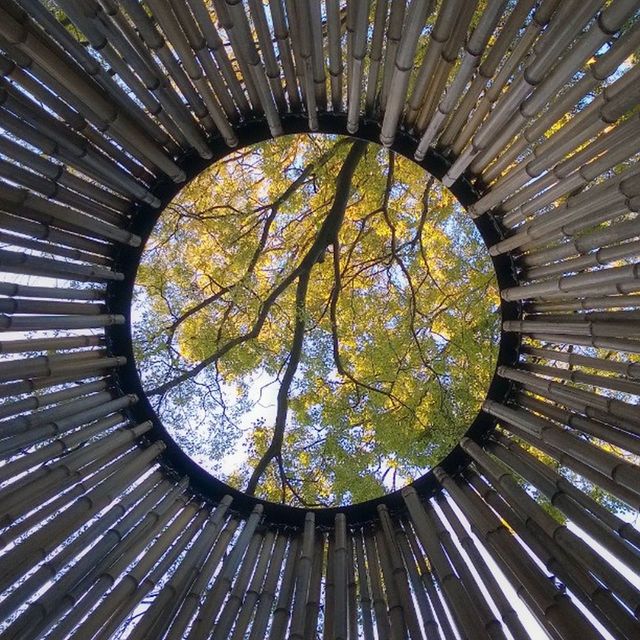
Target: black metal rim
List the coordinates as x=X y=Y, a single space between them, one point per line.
x=119 y=337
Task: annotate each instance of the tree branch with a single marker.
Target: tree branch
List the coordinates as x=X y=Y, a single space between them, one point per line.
x=275 y=448
x=326 y=235
x=273 y=211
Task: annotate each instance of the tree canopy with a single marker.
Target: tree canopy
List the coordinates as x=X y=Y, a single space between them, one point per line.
x=325 y=308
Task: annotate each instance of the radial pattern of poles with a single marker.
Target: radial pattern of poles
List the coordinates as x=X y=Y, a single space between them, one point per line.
x=535 y=104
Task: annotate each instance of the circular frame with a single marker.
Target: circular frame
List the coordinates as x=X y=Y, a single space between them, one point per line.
x=119 y=337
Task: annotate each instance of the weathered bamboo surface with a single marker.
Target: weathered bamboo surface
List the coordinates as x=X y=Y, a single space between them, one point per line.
x=535 y=102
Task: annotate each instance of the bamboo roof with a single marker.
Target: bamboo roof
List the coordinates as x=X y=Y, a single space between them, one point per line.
x=528 y=111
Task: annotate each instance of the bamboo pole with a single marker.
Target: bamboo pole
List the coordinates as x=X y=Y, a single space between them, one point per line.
x=303 y=577
x=254 y=594
x=564 y=26
x=355 y=62
x=84 y=600
x=76 y=114
x=162 y=570
x=314 y=600
x=399 y=573
x=329 y=589
x=596 y=73
x=395 y=25
x=37 y=546
x=45 y=247
x=335 y=66
x=403 y=63
x=245 y=543
x=300 y=35
x=56 y=191
x=340 y=607
x=62 y=42
x=429 y=582
x=130 y=42
x=272 y=69
x=232 y=606
x=42 y=513
x=590 y=427
x=281 y=36
x=282 y=611
x=448 y=57
x=166 y=16
x=73 y=219
x=71 y=151
x=609 y=411
x=49 y=569
x=115 y=47
x=550 y=606
x=441 y=32
x=150 y=36
x=38 y=487
x=379 y=602
x=395 y=610
x=600 y=407
x=352 y=591
x=32 y=385
x=242 y=51
x=81 y=247
x=564 y=487
x=33 y=617
x=461 y=606
x=375 y=56
x=508 y=614
x=162 y=611
x=487 y=71
x=317 y=55
x=22 y=36
x=15 y=410
x=78 y=399
x=43 y=479
x=25 y=263
x=193 y=597
x=243 y=44
x=429 y=622
x=472 y=54
x=582 y=585
x=25 y=423
x=34 y=436
x=622 y=472
x=535 y=261
x=582 y=469
x=363 y=589
x=58 y=174
x=627 y=369
x=268 y=594
x=65 y=445
x=471 y=584
x=625 y=552
x=131 y=585
x=534 y=516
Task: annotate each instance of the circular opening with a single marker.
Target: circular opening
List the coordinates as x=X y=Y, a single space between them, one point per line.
x=315 y=320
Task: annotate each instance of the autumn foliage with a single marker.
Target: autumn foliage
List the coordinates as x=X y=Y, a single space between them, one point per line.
x=323 y=306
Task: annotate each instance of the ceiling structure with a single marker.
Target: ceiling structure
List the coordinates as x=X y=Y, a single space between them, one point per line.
x=528 y=111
